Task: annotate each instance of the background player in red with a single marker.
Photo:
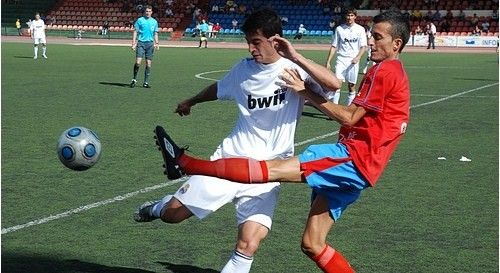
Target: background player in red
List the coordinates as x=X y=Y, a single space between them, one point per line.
x=372 y=127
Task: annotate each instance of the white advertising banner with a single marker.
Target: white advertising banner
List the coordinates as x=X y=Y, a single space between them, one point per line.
x=423 y=40
x=477 y=41
x=457 y=41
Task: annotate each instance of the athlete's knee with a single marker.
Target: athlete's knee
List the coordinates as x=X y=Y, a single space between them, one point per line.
x=173 y=215
x=248 y=246
x=311 y=247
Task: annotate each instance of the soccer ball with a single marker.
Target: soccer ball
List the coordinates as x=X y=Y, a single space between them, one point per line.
x=79 y=148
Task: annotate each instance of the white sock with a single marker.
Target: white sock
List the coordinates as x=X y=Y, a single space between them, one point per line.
x=44 y=50
x=351 y=97
x=36 y=51
x=159 y=206
x=238 y=263
x=336 y=96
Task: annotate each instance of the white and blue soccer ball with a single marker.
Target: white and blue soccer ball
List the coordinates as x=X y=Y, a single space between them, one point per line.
x=79 y=148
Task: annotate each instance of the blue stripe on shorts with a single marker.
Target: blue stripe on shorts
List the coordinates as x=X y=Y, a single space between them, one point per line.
x=341 y=184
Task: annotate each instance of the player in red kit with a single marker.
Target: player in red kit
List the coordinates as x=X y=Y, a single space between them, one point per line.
x=371 y=128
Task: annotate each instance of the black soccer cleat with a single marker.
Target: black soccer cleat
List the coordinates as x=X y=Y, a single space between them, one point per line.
x=170 y=152
x=132 y=83
x=145 y=212
x=146 y=85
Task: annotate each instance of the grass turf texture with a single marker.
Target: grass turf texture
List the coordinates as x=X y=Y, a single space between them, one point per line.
x=425 y=215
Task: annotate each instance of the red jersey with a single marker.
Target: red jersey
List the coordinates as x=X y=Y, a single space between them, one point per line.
x=385 y=94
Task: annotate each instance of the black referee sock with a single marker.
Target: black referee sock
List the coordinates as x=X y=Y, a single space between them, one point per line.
x=136 y=69
x=146 y=73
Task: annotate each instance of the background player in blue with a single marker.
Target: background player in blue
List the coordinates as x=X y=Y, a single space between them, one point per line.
x=144 y=42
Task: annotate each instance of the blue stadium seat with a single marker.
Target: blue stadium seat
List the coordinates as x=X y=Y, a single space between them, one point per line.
x=188 y=30
x=227 y=31
x=288 y=32
x=324 y=33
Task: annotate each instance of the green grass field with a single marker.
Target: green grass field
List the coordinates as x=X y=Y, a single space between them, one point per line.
x=425 y=214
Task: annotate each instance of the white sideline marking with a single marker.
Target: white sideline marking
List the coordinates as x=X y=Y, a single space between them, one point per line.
x=169 y=183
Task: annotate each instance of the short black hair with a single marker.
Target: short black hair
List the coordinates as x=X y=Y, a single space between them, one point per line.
x=266 y=20
x=400 y=24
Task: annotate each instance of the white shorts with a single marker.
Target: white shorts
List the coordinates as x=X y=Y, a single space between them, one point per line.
x=39 y=40
x=345 y=70
x=203 y=195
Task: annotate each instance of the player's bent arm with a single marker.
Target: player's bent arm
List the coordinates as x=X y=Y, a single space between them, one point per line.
x=322 y=75
x=345 y=115
x=207 y=94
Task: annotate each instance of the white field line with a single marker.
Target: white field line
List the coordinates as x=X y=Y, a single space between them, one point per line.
x=169 y=183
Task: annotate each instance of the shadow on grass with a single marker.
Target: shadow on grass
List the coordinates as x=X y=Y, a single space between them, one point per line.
x=184 y=268
x=119 y=84
x=24 y=57
x=315 y=115
x=14 y=263
x=476 y=79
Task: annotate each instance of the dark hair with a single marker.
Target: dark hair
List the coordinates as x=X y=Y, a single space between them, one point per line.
x=266 y=20
x=351 y=10
x=147 y=7
x=400 y=25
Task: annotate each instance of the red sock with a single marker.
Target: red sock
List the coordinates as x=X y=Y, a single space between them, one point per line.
x=331 y=261
x=242 y=170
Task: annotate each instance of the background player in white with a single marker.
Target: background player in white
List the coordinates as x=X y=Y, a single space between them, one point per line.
x=349 y=42
x=265 y=128
x=37 y=31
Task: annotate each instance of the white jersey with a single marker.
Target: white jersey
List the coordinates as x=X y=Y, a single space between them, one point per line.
x=38 y=29
x=349 y=39
x=268 y=112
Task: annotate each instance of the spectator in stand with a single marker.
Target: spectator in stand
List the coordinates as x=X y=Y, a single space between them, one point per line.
x=300 y=32
x=474 y=20
x=428 y=16
x=215 y=30
x=169 y=3
x=105 y=28
x=485 y=26
x=196 y=14
x=242 y=9
x=461 y=15
x=215 y=8
x=436 y=16
x=332 y=24
x=416 y=15
x=284 y=20
x=494 y=15
x=419 y=31
x=337 y=12
x=169 y=12
x=234 y=23
x=445 y=25
x=449 y=15
x=476 y=31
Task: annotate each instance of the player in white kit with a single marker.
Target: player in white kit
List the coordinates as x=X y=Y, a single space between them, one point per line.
x=268 y=115
x=37 y=31
x=349 y=42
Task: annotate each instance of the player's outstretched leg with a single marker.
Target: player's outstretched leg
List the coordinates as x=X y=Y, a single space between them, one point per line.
x=178 y=163
x=170 y=152
x=145 y=212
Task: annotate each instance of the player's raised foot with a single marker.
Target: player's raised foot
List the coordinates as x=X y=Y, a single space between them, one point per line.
x=145 y=212
x=146 y=85
x=170 y=152
x=132 y=83
x=44 y=56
